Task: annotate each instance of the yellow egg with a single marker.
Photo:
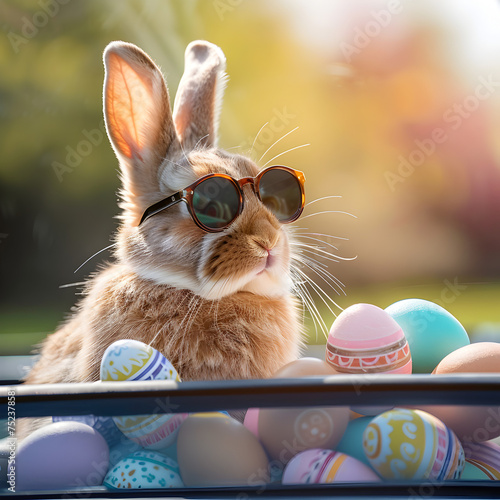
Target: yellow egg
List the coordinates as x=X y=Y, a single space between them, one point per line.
x=412 y=444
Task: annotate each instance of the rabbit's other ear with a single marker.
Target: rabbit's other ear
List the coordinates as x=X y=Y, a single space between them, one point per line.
x=199 y=96
x=138 y=117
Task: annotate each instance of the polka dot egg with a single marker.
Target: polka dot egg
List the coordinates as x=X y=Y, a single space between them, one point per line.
x=412 y=444
x=143 y=470
x=365 y=339
x=132 y=360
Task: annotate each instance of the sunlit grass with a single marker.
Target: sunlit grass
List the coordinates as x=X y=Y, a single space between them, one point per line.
x=472 y=304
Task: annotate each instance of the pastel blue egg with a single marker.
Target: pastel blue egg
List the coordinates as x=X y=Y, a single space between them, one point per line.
x=122 y=450
x=473 y=473
x=352 y=440
x=431 y=331
x=144 y=470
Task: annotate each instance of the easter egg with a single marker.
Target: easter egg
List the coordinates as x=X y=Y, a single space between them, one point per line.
x=470 y=423
x=480 y=357
x=365 y=339
x=129 y=359
x=217 y=450
x=285 y=432
x=352 y=441
x=485 y=457
x=142 y=470
x=412 y=444
x=122 y=449
x=61 y=455
x=104 y=425
x=305 y=367
x=133 y=360
x=431 y=331
x=251 y=421
x=473 y=473
x=320 y=466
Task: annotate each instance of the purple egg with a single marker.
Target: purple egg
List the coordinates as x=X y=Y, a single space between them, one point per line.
x=61 y=455
x=105 y=425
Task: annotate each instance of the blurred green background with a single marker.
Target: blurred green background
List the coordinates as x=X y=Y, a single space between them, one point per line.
x=398 y=100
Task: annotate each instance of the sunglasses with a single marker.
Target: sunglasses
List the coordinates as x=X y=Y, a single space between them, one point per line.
x=215 y=200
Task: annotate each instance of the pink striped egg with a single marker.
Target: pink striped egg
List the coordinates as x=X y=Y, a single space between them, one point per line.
x=321 y=466
x=485 y=457
x=365 y=339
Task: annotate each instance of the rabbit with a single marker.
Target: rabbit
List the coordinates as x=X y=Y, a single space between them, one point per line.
x=217 y=305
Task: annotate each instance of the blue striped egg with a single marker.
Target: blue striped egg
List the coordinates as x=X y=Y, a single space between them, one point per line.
x=133 y=360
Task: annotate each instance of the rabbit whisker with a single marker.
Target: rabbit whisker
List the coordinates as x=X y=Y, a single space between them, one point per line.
x=189 y=317
x=328 y=212
x=325 y=275
x=309 y=303
x=321 y=199
x=297 y=232
x=301 y=291
x=68 y=285
x=257 y=136
x=181 y=303
x=97 y=253
x=307 y=237
x=319 y=251
x=183 y=152
x=276 y=142
x=199 y=140
x=321 y=293
x=314 y=250
x=284 y=152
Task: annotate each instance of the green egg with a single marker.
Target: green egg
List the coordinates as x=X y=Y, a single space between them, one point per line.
x=472 y=473
x=431 y=331
x=352 y=440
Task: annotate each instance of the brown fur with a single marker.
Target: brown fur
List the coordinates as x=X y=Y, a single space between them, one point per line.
x=202 y=299
x=242 y=336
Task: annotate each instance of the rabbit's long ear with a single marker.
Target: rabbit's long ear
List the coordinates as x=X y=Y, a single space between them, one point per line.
x=199 y=97
x=138 y=117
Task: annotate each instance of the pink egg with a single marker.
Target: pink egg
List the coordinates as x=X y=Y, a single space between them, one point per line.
x=485 y=457
x=365 y=339
x=251 y=421
x=320 y=466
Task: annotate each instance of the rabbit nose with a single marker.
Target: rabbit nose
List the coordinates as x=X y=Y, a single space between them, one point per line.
x=267 y=241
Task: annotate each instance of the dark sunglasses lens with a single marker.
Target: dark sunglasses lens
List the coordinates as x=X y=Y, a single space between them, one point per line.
x=216 y=202
x=280 y=191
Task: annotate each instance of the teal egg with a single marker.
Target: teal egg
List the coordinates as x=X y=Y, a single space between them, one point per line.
x=352 y=440
x=144 y=469
x=473 y=473
x=431 y=331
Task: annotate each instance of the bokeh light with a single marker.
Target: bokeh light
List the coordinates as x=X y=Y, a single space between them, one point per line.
x=399 y=102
